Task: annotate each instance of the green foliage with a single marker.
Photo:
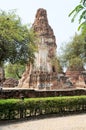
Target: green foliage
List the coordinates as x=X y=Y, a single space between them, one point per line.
x=17 y=108
x=73 y=53
x=16 y=40
x=14 y=70
x=76 y=50
x=81 y=10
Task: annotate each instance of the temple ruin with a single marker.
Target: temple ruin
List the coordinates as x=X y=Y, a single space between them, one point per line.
x=43 y=74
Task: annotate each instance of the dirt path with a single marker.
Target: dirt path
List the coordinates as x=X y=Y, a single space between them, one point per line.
x=74 y=122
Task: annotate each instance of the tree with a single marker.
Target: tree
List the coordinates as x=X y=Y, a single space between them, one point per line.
x=83 y=35
x=81 y=10
x=14 y=70
x=16 y=40
x=73 y=53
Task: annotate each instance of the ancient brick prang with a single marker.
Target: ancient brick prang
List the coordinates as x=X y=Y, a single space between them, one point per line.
x=42 y=27
x=47 y=42
x=42 y=75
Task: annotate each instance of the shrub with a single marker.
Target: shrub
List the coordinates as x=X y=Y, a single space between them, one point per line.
x=17 y=108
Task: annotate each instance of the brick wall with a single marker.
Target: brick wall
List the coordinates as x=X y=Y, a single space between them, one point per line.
x=27 y=93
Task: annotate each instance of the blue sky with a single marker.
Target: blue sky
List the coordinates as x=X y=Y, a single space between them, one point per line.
x=57 y=11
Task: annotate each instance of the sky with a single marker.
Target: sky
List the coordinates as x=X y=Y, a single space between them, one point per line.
x=57 y=13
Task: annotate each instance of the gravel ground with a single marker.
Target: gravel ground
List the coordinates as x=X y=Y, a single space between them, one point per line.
x=73 y=122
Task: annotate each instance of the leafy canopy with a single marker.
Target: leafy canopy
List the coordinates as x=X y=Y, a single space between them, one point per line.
x=81 y=10
x=73 y=53
x=16 y=40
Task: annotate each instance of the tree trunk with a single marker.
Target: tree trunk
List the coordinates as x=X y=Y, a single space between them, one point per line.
x=2 y=76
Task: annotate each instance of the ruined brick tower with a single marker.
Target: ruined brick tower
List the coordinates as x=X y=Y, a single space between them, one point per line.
x=42 y=75
x=47 y=42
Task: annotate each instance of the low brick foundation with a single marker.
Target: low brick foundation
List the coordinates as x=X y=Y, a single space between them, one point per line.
x=27 y=93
